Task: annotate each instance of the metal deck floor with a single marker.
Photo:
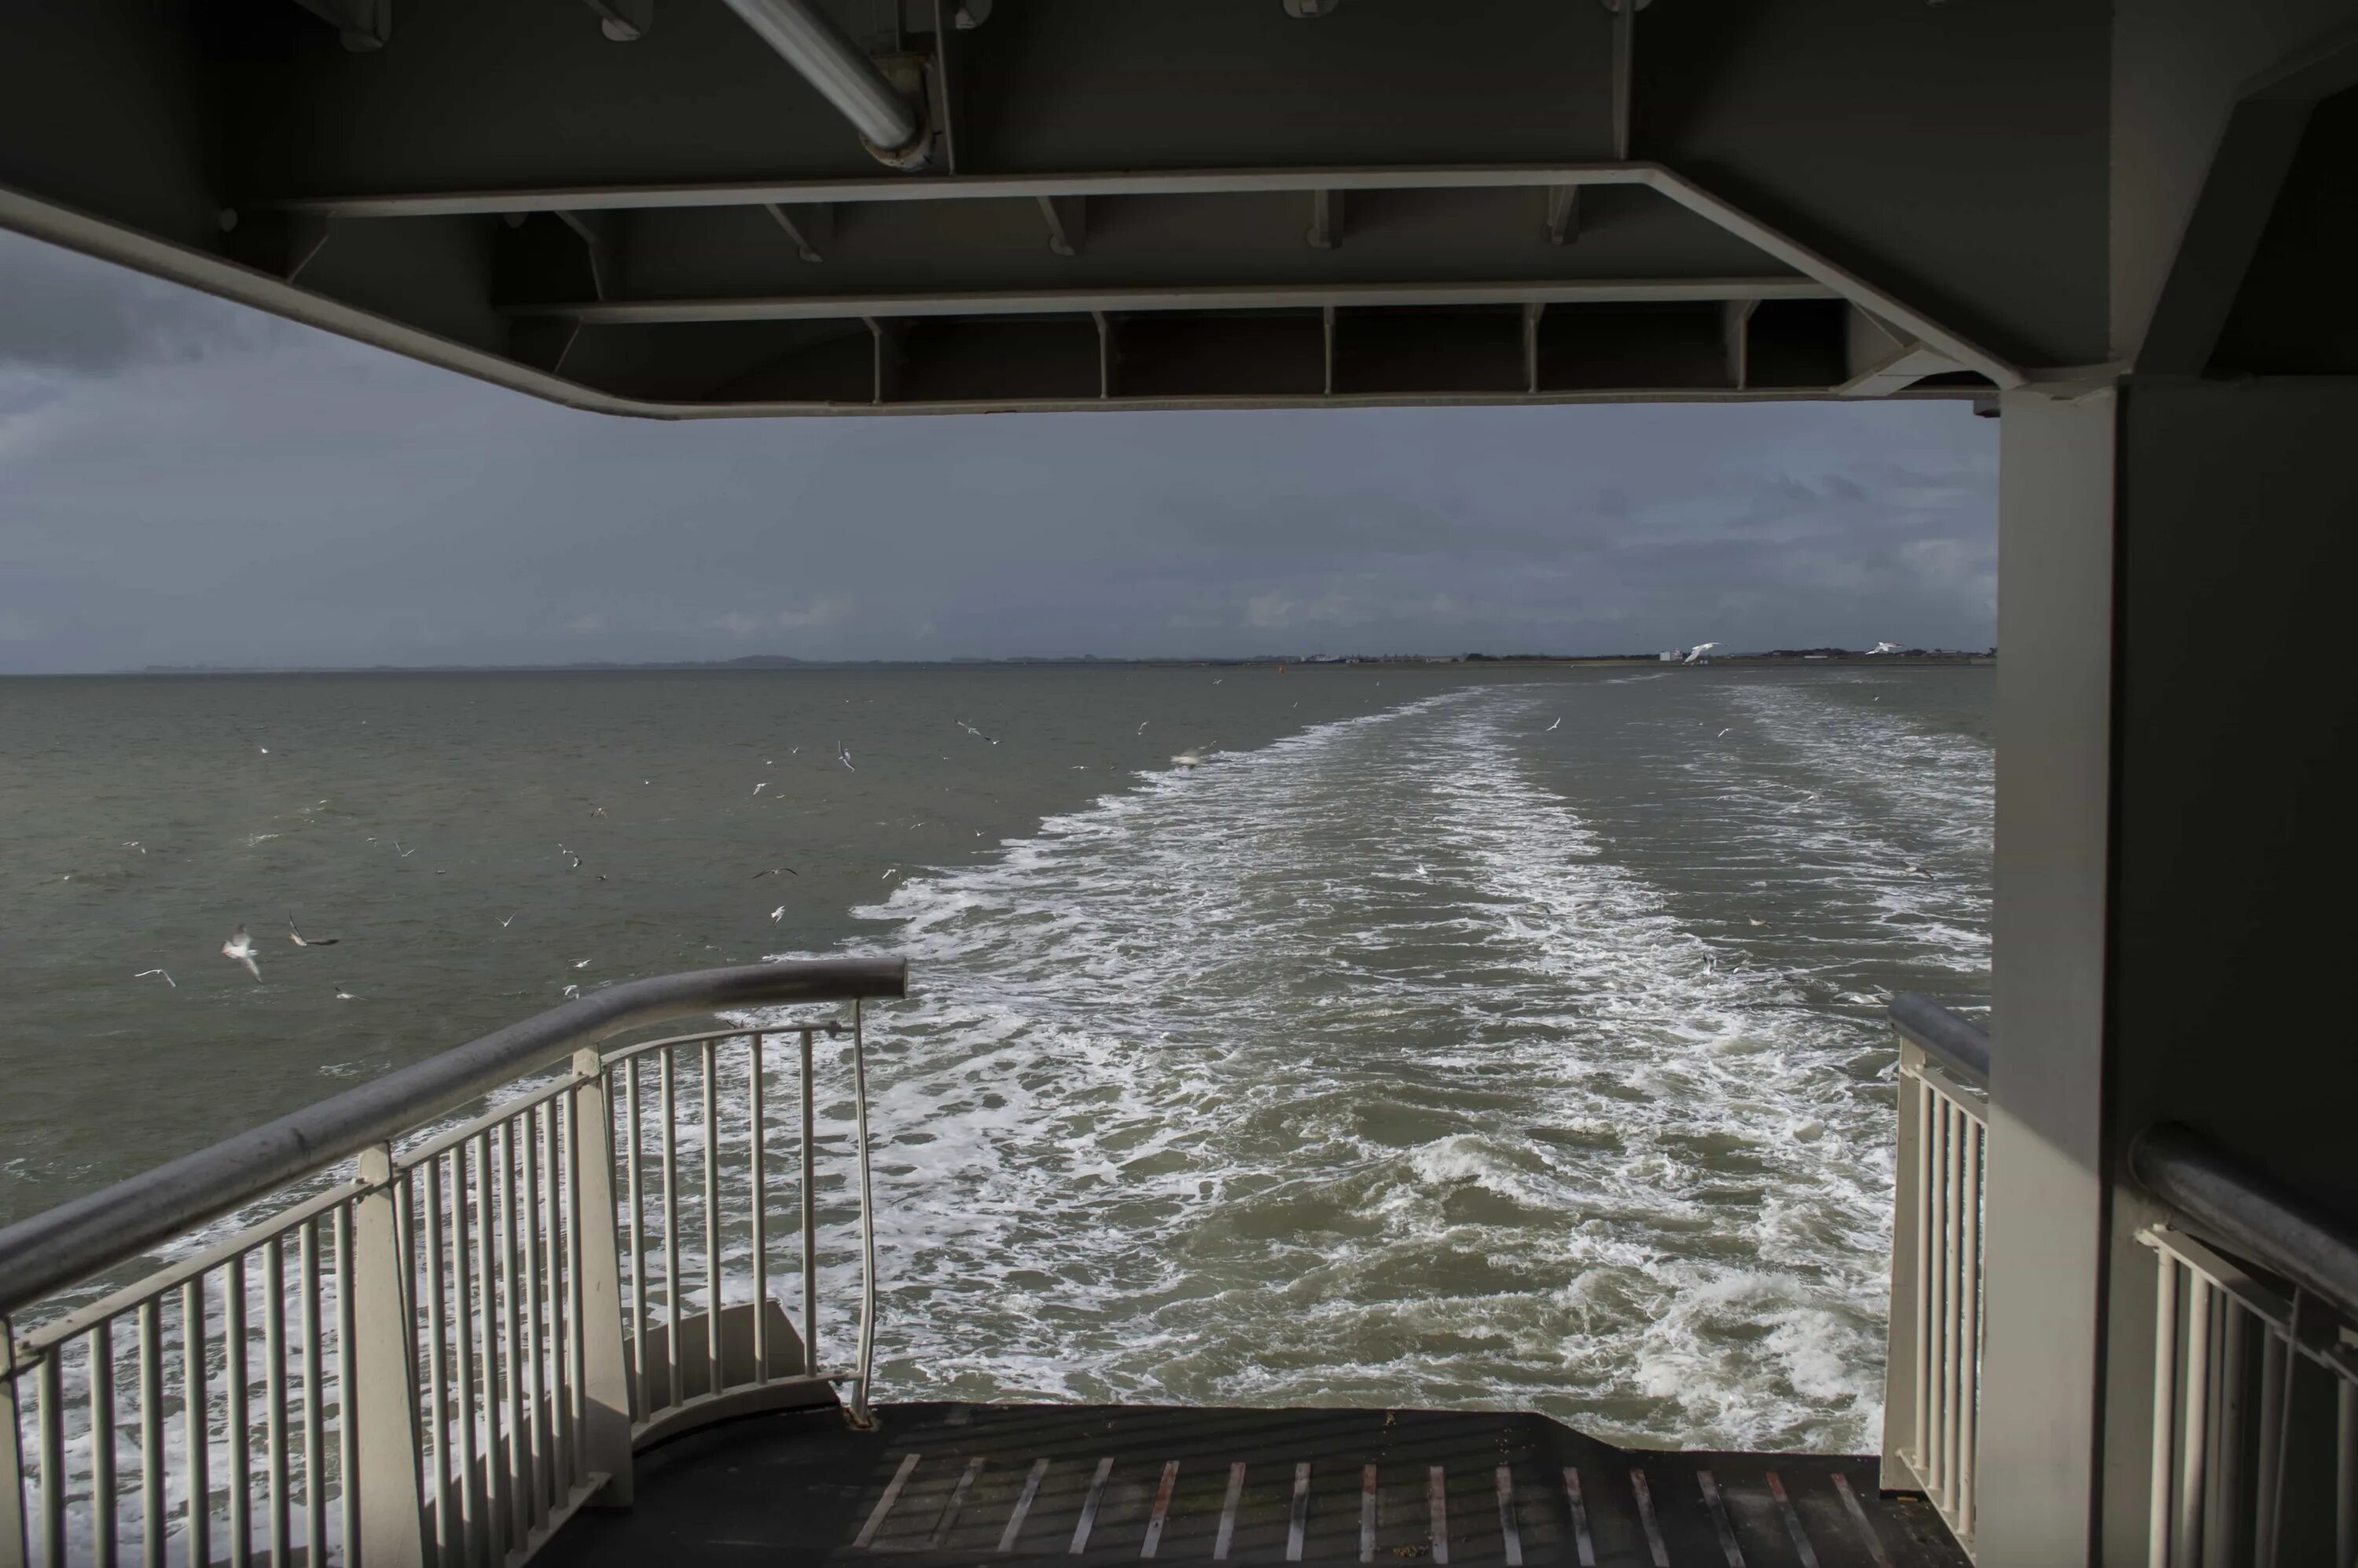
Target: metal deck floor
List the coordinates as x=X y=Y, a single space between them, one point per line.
x=1089 y=1487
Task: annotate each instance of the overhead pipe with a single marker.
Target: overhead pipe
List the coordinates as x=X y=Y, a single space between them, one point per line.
x=890 y=124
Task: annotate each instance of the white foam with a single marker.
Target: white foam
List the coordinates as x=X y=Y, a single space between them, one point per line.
x=1358 y=1069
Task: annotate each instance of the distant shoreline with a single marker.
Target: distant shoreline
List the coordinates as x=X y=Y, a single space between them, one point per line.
x=773 y=663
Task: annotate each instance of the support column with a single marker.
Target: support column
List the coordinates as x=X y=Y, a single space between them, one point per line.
x=2046 y=1196
x=606 y=1372
x=384 y=1391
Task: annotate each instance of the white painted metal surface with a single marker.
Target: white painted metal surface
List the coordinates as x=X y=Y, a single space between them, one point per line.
x=1932 y=1403
x=436 y=1354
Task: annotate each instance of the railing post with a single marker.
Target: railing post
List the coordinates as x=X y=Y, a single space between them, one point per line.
x=606 y=1374
x=384 y=1397
x=1901 y=1393
x=15 y=1549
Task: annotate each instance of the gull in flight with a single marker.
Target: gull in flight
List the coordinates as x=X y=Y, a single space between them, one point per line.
x=760 y=787
x=1188 y=759
x=166 y=973
x=779 y=912
x=1883 y=648
x=503 y=925
x=575 y=858
x=772 y=871
x=1697 y=652
x=889 y=875
x=404 y=853
x=843 y=755
x=573 y=991
x=1721 y=735
x=975 y=733
x=1552 y=727
x=265 y=751
x=1141 y=726
x=300 y=940
x=1915 y=871
x=239 y=949
x=343 y=995
x=135 y=844
x=583 y=964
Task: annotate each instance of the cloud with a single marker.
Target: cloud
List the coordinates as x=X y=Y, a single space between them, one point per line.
x=68 y=313
x=177 y=491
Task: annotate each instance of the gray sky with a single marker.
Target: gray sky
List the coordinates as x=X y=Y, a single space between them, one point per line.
x=184 y=481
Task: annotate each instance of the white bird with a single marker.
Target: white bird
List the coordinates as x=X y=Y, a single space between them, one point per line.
x=760 y=787
x=343 y=995
x=1552 y=727
x=889 y=875
x=135 y=844
x=1187 y=760
x=1883 y=648
x=240 y=948
x=1915 y=871
x=1141 y=726
x=779 y=912
x=772 y=871
x=265 y=751
x=404 y=853
x=572 y=990
x=583 y=964
x=843 y=755
x=166 y=973
x=1697 y=652
x=503 y=925
x=299 y=940
x=1721 y=735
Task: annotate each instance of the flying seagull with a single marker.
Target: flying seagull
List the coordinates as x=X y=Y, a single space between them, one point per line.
x=843 y=755
x=582 y=965
x=343 y=995
x=779 y=912
x=1552 y=727
x=772 y=871
x=760 y=787
x=404 y=853
x=135 y=844
x=166 y=973
x=1698 y=651
x=300 y=940
x=573 y=991
x=240 y=948
x=503 y=925
x=1883 y=648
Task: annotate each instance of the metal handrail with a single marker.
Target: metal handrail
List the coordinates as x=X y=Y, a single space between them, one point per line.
x=1959 y=1045
x=81 y=1238
x=2243 y=1212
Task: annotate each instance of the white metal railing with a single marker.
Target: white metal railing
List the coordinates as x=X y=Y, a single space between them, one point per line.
x=2254 y=1375
x=436 y=1352
x=1933 y=1379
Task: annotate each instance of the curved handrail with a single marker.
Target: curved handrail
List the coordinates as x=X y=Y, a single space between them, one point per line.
x=2243 y=1212
x=1957 y=1042
x=77 y=1240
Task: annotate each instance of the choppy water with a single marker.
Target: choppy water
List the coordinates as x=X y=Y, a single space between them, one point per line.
x=1449 y=1037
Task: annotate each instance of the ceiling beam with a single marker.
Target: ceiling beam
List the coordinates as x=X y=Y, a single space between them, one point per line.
x=965 y=188
x=1039 y=302
x=1866 y=296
